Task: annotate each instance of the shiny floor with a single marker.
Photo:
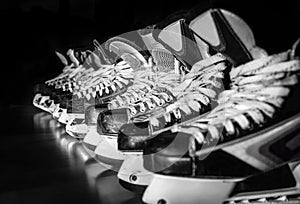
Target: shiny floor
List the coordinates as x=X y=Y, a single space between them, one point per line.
x=40 y=163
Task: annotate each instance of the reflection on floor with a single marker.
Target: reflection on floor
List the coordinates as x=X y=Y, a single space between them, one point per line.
x=99 y=178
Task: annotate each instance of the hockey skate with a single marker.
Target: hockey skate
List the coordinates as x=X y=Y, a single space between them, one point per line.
x=252 y=131
x=61 y=85
x=133 y=136
x=113 y=83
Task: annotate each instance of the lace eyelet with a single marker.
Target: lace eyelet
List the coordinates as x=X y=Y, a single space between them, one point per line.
x=169 y=99
x=161 y=103
x=177 y=114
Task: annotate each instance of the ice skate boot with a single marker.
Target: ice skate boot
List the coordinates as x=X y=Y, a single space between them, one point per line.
x=62 y=84
x=121 y=79
x=132 y=137
x=205 y=65
x=245 y=135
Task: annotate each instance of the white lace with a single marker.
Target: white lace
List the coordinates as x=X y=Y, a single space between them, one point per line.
x=254 y=94
x=196 y=90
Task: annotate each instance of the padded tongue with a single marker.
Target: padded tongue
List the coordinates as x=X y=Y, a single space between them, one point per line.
x=225 y=33
x=163 y=58
x=295 y=52
x=179 y=39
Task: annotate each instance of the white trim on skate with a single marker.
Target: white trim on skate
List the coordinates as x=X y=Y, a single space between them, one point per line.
x=132 y=171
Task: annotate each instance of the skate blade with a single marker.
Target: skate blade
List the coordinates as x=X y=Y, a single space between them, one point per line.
x=173 y=190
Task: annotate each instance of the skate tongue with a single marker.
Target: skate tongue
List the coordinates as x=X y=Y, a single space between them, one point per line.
x=214 y=29
x=150 y=42
x=163 y=58
x=179 y=39
x=295 y=52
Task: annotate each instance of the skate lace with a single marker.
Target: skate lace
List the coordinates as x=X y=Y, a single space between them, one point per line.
x=149 y=93
x=94 y=67
x=258 y=89
x=71 y=82
x=152 y=100
x=144 y=93
x=196 y=90
x=150 y=89
x=107 y=80
x=81 y=68
x=70 y=72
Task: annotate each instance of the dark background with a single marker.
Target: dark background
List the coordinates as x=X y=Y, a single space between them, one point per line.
x=38 y=163
x=31 y=30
